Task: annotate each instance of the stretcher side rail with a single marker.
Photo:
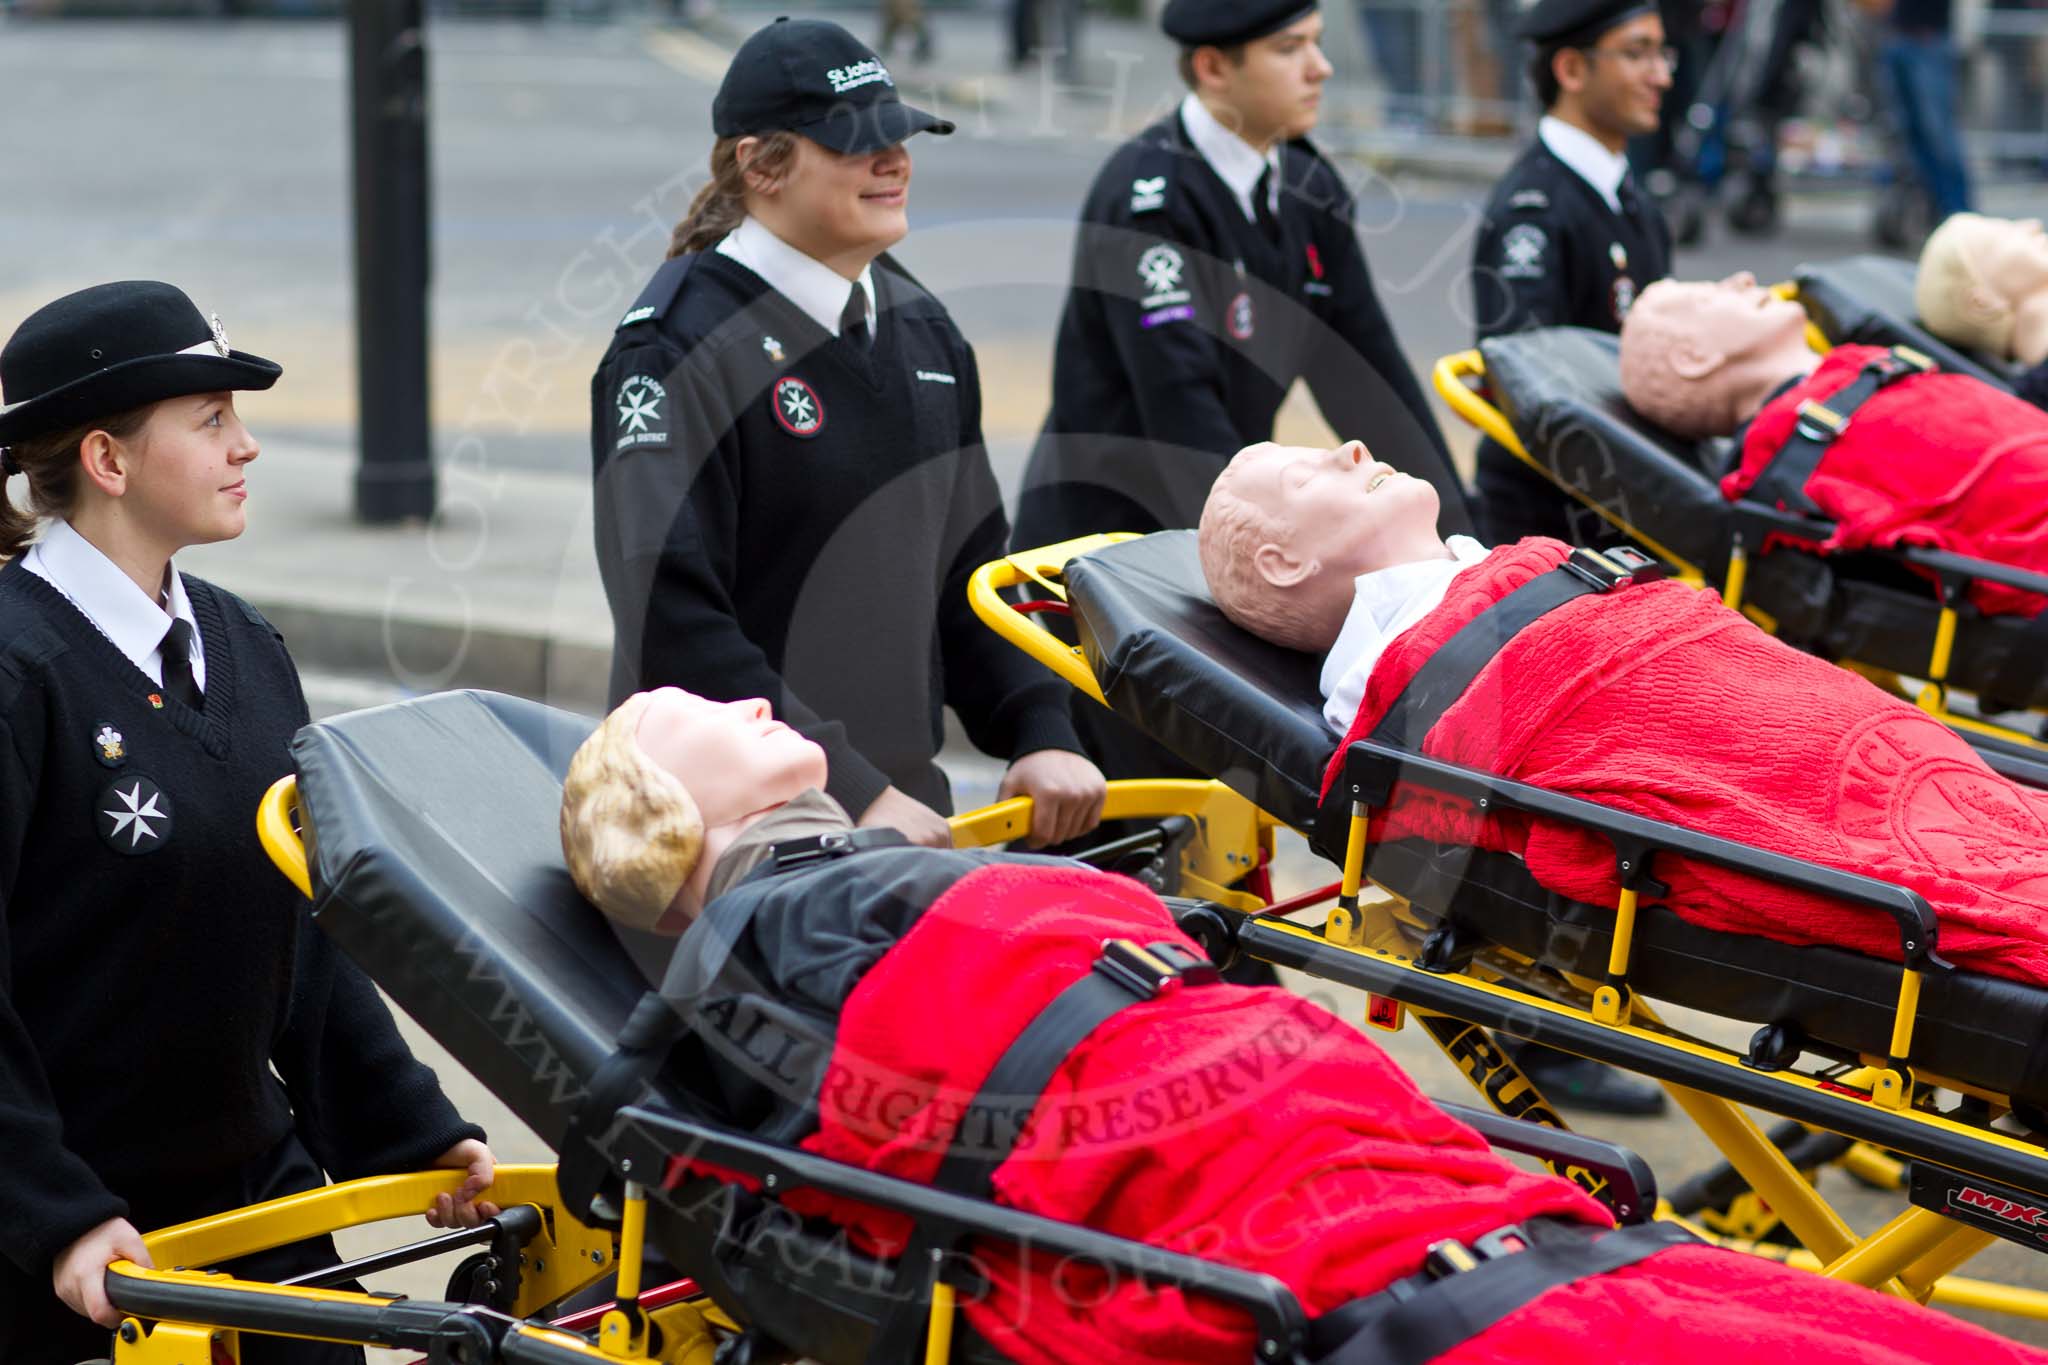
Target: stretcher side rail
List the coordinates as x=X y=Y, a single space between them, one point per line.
x=1755 y=521
x=1630 y=1187
x=646 y=1140
x=1372 y=771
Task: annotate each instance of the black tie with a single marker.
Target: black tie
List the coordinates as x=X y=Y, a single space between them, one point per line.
x=1625 y=194
x=853 y=321
x=177 y=651
x=1262 y=207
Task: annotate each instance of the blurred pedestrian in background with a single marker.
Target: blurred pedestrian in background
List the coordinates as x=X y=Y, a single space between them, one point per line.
x=899 y=16
x=1046 y=28
x=1919 y=64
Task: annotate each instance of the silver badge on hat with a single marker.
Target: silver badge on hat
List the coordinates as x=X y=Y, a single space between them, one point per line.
x=220 y=334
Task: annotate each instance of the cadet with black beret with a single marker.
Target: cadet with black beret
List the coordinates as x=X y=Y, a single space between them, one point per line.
x=1568 y=238
x=786 y=439
x=1217 y=263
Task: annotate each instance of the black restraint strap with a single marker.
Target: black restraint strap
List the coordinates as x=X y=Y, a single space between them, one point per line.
x=1782 y=483
x=654 y=1027
x=1124 y=975
x=1443 y=678
x=1418 y=1319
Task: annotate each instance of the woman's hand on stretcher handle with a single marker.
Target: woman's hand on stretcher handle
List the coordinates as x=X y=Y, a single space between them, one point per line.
x=79 y=1274
x=462 y=1208
x=1066 y=791
x=915 y=820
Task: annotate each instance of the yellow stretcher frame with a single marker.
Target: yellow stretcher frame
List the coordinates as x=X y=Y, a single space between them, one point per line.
x=1456 y=378
x=1914 y=1255
x=1231 y=839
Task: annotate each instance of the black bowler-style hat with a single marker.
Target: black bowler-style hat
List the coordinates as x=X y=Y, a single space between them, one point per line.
x=1226 y=23
x=811 y=76
x=114 y=347
x=1577 y=23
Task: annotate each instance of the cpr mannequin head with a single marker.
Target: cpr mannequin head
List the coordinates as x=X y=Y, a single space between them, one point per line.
x=1699 y=359
x=1977 y=275
x=1287 y=529
x=662 y=787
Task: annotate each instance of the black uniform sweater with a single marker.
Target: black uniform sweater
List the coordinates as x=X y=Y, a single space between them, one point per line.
x=154 y=965
x=784 y=514
x=1186 y=325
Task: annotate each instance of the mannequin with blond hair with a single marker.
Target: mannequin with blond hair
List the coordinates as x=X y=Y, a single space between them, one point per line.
x=1983 y=284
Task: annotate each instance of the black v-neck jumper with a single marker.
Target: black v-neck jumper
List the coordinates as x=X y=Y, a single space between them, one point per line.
x=154 y=965
x=781 y=513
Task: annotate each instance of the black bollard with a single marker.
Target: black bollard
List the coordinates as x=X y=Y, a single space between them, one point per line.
x=388 y=66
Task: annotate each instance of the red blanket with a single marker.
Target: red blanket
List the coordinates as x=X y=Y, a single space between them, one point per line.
x=1252 y=1127
x=1660 y=701
x=1941 y=460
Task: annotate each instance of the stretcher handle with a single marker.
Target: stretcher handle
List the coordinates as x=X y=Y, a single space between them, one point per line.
x=1371 y=772
x=1450 y=380
x=1043 y=568
x=649 y=1139
x=1631 y=1191
x=275 y=815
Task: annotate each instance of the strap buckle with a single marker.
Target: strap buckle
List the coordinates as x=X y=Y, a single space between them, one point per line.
x=1916 y=362
x=1451 y=1257
x=1606 y=571
x=1819 y=422
x=818 y=848
x=1154 y=971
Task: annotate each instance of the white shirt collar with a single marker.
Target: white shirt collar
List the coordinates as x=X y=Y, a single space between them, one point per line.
x=1385 y=603
x=1236 y=162
x=1580 y=150
x=124 y=613
x=805 y=281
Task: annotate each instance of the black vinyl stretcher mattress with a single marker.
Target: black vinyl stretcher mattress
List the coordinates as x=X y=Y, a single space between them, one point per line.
x=1249 y=713
x=431 y=828
x=1868 y=301
x=1560 y=387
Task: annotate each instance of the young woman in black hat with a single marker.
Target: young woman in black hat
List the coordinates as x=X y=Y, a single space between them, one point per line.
x=791 y=483
x=154 y=968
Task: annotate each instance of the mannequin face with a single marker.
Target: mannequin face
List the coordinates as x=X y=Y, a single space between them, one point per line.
x=735 y=757
x=2011 y=257
x=1345 y=512
x=1734 y=317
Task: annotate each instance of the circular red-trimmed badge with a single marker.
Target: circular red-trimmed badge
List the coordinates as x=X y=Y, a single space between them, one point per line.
x=797 y=407
x=1241 y=317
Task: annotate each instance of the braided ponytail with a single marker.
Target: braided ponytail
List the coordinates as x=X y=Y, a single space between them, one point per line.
x=722 y=203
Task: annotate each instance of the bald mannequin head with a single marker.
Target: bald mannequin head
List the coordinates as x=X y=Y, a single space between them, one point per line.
x=662 y=788
x=1699 y=359
x=1983 y=283
x=1287 y=530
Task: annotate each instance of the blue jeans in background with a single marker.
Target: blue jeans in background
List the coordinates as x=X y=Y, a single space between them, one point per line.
x=1920 y=74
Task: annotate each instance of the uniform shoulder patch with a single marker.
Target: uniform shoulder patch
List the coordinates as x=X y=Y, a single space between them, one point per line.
x=1522 y=251
x=641 y=414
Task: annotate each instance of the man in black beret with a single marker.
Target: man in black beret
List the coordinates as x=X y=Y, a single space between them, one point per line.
x=1568 y=238
x=1217 y=263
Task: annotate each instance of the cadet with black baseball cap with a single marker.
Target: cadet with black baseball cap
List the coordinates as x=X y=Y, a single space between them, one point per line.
x=786 y=441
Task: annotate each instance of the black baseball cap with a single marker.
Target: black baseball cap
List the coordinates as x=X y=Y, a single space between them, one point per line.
x=811 y=76
x=114 y=347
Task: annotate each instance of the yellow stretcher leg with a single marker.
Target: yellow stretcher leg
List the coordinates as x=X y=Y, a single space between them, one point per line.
x=938 y=1341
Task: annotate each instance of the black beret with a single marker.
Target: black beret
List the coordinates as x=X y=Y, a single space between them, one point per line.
x=1226 y=23
x=1576 y=23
